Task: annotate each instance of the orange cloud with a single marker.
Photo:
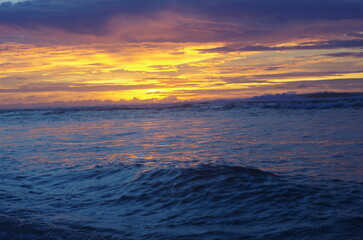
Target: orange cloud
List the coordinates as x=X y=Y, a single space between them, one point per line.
x=106 y=70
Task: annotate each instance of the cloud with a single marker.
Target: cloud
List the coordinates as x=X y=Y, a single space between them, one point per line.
x=302 y=74
x=345 y=54
x=332 y=44
x=100 y=48
x=346 y=84
x=60 y=87
x=91 y=16
x=80 y=16
x=279 y=10
x=338 y=85
x=241 y=79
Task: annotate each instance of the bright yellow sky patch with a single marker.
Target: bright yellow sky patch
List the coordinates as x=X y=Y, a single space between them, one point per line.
x=156 y=70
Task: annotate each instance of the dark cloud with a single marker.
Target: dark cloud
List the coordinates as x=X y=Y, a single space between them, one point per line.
x=90 y=16
x=346 y=54
x=279 y=10
x=241 y=79
x=333 y=44
x=81 y=16
x=357 y=35
x=302 y=74
x=346 y=84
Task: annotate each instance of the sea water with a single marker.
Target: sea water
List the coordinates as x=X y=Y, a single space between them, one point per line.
x=208 y=170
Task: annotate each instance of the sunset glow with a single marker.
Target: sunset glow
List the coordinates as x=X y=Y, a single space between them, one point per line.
x=158 y=51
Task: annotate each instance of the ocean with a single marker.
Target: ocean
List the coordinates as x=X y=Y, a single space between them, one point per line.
x=205 y=170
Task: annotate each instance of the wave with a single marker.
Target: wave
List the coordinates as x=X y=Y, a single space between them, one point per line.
x=203 y=202
x=15 y=228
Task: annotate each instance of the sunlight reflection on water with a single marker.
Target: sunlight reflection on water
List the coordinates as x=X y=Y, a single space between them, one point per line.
x=147 y=174
x=282 y=141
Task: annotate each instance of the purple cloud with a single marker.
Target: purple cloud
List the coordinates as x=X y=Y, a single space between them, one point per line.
x=333 y=44
x=90 y=16
x=346 y=54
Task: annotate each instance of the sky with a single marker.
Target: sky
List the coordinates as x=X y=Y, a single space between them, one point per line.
x=130 y=51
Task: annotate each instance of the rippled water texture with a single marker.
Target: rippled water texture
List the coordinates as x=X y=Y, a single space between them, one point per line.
x=202 y=171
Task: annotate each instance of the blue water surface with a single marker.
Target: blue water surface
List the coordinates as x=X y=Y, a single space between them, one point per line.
x=217 y=170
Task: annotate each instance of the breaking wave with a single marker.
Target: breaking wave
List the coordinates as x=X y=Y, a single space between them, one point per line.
x=202 y=202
